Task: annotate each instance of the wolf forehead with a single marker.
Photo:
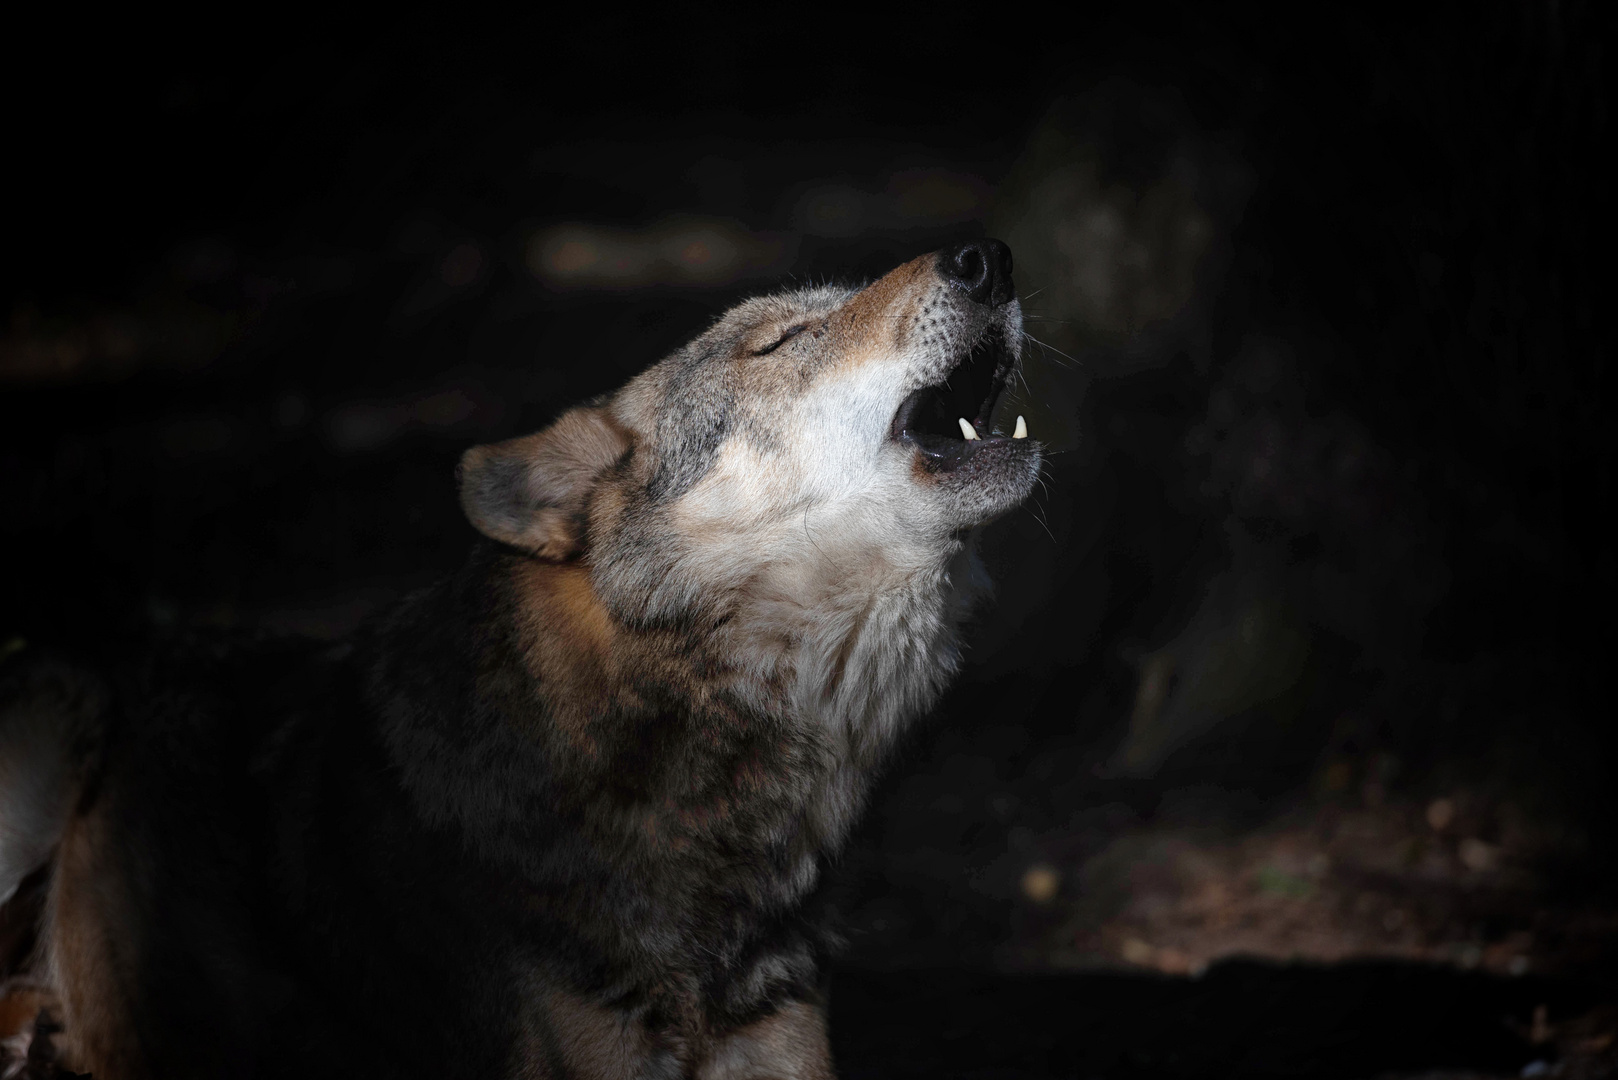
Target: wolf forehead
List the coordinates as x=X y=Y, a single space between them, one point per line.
x=730 y=378
x=880 y=340
x=784 y=342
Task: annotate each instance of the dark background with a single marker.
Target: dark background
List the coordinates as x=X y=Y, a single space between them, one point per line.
x=1300 y=652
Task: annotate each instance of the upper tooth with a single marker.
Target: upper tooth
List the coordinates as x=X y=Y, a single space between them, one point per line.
x=1022 y=430
x=968 y=432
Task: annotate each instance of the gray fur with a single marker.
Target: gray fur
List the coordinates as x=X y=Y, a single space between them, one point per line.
x=47 y=711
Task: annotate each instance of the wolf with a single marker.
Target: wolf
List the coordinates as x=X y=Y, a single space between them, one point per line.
x=558 y=815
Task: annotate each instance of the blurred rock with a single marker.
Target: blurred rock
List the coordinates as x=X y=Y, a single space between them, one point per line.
x=1440 y=813
x=1119 y=213
x=686 y=251
x=365 y=426
x=1243 y=649
x=1040 y=883
x=1477 y=855
x=912 y=199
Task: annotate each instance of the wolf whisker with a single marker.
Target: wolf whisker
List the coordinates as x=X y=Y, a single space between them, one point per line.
x=1038 y=515
x=1044 y=346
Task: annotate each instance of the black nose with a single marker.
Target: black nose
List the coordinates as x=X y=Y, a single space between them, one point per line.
x=979 y=268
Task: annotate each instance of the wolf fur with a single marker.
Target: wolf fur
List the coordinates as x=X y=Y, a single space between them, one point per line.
x=558 y=815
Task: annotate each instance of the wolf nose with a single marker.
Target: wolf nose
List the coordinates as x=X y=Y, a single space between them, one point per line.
x=979 y=268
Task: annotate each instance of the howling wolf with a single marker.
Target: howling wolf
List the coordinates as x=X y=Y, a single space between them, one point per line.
x=558 y=815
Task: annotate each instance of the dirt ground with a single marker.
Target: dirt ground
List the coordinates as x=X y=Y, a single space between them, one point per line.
x=1396 y=881
x=1357 y=937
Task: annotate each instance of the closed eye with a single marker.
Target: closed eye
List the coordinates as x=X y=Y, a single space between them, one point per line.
x=782 y=340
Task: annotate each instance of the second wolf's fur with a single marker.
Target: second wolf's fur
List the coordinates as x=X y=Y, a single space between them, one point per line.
x=558 y=815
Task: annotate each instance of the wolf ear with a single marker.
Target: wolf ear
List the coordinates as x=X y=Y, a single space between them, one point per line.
x=531 y=492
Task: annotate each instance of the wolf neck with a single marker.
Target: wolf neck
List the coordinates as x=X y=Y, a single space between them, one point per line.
x=849 y=652
x=794 y=692
x=852 y=652
x=838 y=645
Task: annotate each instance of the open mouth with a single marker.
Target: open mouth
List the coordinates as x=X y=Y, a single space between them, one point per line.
x=948 y=422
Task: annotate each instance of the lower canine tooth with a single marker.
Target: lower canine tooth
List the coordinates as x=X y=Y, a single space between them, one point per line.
x=968 y=432
x=1022 y=430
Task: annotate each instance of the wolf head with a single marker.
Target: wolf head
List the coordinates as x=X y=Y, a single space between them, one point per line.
x=805 y=474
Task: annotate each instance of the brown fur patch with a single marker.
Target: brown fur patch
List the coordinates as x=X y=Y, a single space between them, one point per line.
x=882 y=313
x=789 y=1044
x=20 y=1004
x=91 y=941
x=568 y=646
x=578 y=1038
